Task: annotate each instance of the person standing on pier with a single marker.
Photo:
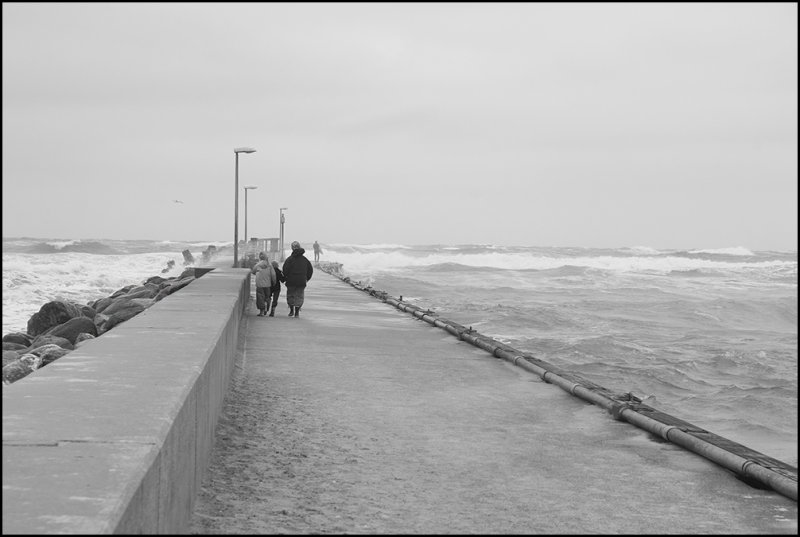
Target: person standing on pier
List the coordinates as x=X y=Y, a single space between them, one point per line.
x=317 y=251
x=297 y=270
x=265 y=279
x=275 y=290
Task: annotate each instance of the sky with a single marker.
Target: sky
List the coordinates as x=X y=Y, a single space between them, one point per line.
x=666 y=125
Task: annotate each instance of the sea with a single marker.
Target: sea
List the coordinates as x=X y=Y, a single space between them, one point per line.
x=706 y=335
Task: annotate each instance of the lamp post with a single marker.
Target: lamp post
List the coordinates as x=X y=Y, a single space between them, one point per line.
x=283 y=219
x=237 y=150
x=245 y=211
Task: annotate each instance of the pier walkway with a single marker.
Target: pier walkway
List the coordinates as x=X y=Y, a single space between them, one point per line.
x=359 y=418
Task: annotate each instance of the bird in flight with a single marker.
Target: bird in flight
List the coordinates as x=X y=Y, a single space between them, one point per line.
x=177 y=201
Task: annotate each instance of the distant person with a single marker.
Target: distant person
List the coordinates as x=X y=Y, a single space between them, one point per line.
x=275 y=290
x=297 y=270
x=265 y=279
x=317 y=251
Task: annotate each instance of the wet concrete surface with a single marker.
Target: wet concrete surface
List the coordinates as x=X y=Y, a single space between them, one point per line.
x=359 y=418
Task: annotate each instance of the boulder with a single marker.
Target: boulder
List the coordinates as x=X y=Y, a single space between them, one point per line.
x=100 y=321
x=144 y=291
x=18 y=337
x=171 y=288
x=72 y=328
x=121 y=291
x=9 y=346
x=101 y=304
x=22 y=367
x=144 y=302
x=88 y=311
x=49 y=353
x=52 y=314
x=120 y=304
x=42 y=340
x=157 y=280
x=131 y=309
x=83 y=337
x=10 y=356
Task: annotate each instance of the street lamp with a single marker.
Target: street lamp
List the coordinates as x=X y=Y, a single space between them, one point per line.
x=282 y=221
x=237 y=150
x=245 y=211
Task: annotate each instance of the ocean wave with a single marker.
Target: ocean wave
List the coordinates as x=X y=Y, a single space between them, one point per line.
x=738 y=250
x=358 y=247
x=643 y=250
x=375 y=261
x=59 y=247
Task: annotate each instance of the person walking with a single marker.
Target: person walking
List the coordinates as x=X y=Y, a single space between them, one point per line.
x=317 y=251
x=275 y=290
x=297 y=270
x=265 y=279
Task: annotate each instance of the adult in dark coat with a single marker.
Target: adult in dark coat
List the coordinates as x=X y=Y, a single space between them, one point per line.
x=297 y=270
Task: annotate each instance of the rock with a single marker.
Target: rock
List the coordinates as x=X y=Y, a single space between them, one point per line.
x=101 y=304
x=144 y=302
x=49 y=353
x=100 y=321
x=88 y=311
x=9 y=346
x=72 y=328
x=43 y=340
x=131 y=308
x=158 y=280
x=10 y=356
x=171 y=288
x=18 y=337
x=122 y=291
x=83 y=337
x=144 y=291
x=119 y=305
x=52 y=314
x=22 y=367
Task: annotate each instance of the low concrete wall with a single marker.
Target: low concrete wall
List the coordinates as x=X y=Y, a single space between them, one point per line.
x=115 y=436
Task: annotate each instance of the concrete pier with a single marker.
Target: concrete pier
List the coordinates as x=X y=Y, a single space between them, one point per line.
x=359 y=418
x=196 y=416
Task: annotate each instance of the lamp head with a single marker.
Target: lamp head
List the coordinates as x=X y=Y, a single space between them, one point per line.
x=244 y=150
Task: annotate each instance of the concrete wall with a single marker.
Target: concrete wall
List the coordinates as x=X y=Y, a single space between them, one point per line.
x=115 y=436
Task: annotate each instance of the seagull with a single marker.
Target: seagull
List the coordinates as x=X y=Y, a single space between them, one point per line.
x=177 y=201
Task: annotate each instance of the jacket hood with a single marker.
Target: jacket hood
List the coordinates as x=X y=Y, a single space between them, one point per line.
x=298 y=252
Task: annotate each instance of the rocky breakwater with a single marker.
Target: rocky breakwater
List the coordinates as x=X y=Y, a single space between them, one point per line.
x=61 y=326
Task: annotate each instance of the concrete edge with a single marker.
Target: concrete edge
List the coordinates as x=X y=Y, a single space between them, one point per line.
x=115 y=437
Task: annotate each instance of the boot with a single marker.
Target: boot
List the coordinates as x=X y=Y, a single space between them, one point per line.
x=264 y=312
x=272 y=312
x=297 y=312
x=291 y=311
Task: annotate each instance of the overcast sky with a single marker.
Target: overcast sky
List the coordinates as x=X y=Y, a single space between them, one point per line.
x=669 y=125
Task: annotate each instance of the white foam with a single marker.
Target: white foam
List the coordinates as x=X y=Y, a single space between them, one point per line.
x=737 y=250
